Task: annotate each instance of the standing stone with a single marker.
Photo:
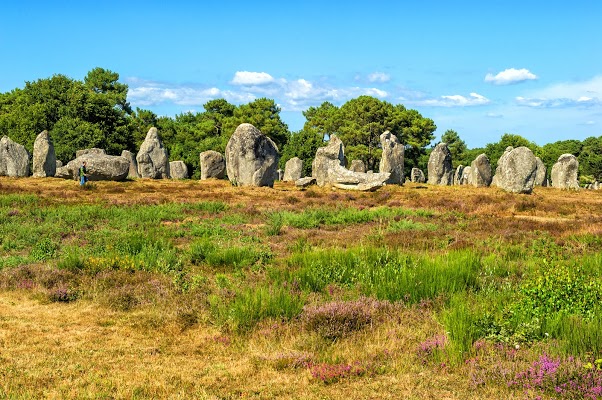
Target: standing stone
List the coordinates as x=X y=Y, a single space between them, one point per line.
x=392 y=157
x=480 y=171
x=213 y=165
x=328 y=169
x=540 y=175
x=326 y=158
x=14 y=158
x=44 y=158
x=133 y=172
x=516 y=170
x=466 y=178
x=440 y=170
x=59 y=163
x=458 y=175
x=178 y=170
x=564 y=172
x=357 y=166
x=293 y=170
x=251 y=157
x=417 y=175
x=152 y=158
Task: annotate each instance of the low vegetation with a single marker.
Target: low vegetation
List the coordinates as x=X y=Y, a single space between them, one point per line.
x=164 y=289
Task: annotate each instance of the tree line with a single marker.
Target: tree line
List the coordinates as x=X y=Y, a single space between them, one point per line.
x=95 y=113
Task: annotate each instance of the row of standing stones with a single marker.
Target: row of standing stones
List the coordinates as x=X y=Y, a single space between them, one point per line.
x=251 y=159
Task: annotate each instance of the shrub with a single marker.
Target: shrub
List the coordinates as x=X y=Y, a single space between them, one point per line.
x=337 y=319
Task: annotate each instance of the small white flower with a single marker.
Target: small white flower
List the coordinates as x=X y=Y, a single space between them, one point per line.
x=516 y=346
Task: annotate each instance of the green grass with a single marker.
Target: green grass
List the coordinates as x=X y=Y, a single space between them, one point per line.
x=387 y=274
x=316 y=217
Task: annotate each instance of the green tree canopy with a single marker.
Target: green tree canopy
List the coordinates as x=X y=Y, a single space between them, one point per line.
x=92 y=113
x=456 y=147
x=360 y=122
x=302 y=144
x=495 y=150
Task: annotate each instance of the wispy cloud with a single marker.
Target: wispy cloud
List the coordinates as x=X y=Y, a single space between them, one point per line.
x=494 y=115
x=582 y=94
x=148 y=93
x=379 y=77
x=510 y=76
x=539 y=102
x=474 y=99
x=247 y=78
x=291 y=95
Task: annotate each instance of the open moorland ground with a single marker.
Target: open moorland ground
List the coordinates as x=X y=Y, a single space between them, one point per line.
x=197 y=289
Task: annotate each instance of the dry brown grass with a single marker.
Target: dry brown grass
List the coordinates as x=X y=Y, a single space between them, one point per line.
x=92 y=348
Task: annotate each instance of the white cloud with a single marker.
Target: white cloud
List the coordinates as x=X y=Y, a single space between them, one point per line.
x=510 y=76
x=149 y=93
x=582 y=94
x=474 y=99
x=379 y=77
x=247 y=78
x=293 y=95
x=494 y=115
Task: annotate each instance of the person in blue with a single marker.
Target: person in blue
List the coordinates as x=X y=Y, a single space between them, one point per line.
x=83 y=178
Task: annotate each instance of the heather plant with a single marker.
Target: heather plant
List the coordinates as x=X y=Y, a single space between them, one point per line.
x=331 y=373
x=554 y=377
x=338 y=319
x=431 y=349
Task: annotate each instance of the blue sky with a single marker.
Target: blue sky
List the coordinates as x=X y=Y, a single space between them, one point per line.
x=482 y=68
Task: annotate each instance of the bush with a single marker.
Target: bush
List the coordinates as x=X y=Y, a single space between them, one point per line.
x=337 y=319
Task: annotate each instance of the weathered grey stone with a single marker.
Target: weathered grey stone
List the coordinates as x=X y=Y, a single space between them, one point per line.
x=44 y=157
x=327 y=158
x=152 y=159
x=213 y=165
x=357 y=166
x=458 y=175
x=480 y=171
x=417 y=175
x=516 y=170
x=251 y=157
x=328 y=169
x=440 y=170
x=99 y=166
x=466 y=178
x=63 y=172
x=565 y=171
x=596 y=185
x=392 y=160
x=59 y=163
x=293 y=170
x=14 y=158
x=133 y=172
x=361 y=186
x=305 y=182
x=178 y=170
x=93 y=150
x=541 y=173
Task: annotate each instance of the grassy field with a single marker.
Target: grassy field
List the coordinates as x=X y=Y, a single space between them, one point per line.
x=196 y=289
